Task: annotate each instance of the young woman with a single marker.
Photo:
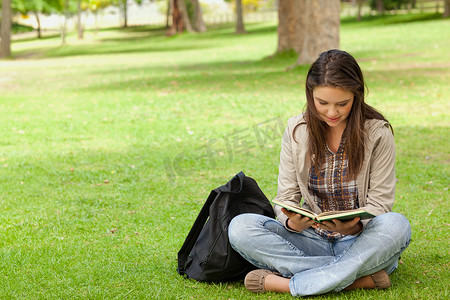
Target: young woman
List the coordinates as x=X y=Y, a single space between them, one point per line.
x=338 y=155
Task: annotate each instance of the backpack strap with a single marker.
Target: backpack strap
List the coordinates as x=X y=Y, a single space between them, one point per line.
x=233 y=186
x=189 y=243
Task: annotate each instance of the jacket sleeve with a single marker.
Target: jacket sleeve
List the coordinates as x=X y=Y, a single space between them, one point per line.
x=381 y=187
x=288 y=188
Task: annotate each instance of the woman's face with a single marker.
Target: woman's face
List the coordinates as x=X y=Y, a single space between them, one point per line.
x=333 y=105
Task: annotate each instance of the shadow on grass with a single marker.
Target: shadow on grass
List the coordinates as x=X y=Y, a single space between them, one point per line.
x=391 y=19
x=47 y=36
x=108 y=46
x=144 y=39
x=268 y=75
x=150 y=39
x=117 y=49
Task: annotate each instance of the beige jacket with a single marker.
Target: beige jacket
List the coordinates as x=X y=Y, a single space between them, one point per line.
x=376 y=180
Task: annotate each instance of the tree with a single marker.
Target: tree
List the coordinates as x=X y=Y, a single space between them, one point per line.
x=34 y=7
x=66 y=17
x=80 y=28
x=124 y=5
x=95 y=6
x=447 y=9
x=239 y=15
x=240 y=18
x=380 y=6
x=38 y=7
x=5 y=33
x=64 y=7
x=184 y=14
x=290 y=31
x=180 y=18
x=198 y=23
x=321 y=27
x=360 y=3
x=308 y=27
x=168 y=12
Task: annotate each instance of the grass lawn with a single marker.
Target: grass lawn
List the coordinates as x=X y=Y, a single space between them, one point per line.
x=110 y=146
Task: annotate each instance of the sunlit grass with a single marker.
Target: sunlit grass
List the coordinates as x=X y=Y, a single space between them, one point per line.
x=103 y=154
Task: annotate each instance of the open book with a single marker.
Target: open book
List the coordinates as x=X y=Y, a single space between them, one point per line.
x=328 y=215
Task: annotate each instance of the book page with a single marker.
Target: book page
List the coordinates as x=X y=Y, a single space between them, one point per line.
x=345 y=215
x=340 y=212
x=296 y=209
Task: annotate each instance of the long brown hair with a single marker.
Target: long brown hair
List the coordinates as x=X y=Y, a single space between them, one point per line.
x=338 y=69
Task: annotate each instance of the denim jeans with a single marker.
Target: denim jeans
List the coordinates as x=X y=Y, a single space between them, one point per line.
x=315 y=264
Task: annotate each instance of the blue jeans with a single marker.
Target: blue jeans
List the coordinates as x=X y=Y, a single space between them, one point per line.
x=315 y=264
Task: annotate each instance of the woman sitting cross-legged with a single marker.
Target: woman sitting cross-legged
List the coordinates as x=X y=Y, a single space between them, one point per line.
x=338 y=155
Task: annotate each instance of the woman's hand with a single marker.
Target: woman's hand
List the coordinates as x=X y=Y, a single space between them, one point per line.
x=296 y=221
x=348 y=227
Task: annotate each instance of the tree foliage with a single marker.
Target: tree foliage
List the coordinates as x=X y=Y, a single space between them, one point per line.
x=27 y=6
x=45 y=6
x=247 y=5
x=390 y=4
x=96 y=5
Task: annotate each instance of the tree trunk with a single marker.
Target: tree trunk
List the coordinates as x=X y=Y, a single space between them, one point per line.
x=380 y=6
x=38 y=21
x=360 y=2
x=180 y=18
x=290 y=29
x=177 y=19
x=125 y=13
x=169 y=11
x=64 y=27
x=321 y=23
x=199 y=25
x=5 y=34
x=79 y=24
x=185 y=15
x=446 y=9
x=240 y=18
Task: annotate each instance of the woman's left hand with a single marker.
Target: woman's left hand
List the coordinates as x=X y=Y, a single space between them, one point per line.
x=348 y=227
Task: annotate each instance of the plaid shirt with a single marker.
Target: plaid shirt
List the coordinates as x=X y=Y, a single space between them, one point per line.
x=333 y=190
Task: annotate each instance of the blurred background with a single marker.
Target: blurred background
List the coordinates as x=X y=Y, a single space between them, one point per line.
x=46 y=17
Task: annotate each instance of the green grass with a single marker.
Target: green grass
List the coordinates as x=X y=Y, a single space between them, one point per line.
x=103 y=153
x=18 y=28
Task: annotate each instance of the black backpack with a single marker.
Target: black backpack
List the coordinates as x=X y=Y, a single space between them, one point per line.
x=206 y=254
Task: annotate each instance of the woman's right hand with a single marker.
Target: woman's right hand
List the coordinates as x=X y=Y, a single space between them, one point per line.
x=296 y=221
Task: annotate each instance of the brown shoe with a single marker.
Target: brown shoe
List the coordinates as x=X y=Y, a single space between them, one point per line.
x=254 y=281
x=381 y=279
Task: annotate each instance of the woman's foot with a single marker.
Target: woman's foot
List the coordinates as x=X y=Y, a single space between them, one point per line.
x=378 y=280
x=260 y=281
